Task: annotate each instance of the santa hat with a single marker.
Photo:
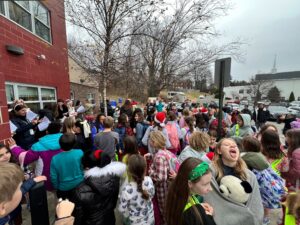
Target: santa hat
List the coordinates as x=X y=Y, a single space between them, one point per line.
x=160 y=118
x=204 y=110
x=208 y=157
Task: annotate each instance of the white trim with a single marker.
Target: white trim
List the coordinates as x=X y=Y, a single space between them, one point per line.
x=39 y=87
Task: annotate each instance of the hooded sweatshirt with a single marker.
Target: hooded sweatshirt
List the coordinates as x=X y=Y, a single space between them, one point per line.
x=245 y=130
x=47 y=147
x=228 y=212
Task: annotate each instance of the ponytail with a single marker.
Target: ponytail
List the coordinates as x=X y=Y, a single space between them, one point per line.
x=139 y=182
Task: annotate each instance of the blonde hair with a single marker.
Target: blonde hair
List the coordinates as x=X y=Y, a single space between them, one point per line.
x=11 y=176
x=68 y=125
x=158 y=140
x=239 y=169
x=199 y=141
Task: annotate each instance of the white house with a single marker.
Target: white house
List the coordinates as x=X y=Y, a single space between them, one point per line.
x=237 y=92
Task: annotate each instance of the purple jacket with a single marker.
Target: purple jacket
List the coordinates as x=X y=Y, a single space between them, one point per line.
x=45 y=149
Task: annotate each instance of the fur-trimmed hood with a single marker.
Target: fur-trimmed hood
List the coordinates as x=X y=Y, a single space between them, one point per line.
x=114 y=168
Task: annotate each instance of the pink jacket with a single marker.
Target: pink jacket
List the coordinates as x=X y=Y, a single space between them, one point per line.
x=294 y=168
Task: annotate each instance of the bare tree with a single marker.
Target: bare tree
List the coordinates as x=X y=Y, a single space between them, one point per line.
x=106 y=22
x=259 y=88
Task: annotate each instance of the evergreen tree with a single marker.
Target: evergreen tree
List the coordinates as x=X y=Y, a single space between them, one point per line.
x=274 y=94
x=292 y=97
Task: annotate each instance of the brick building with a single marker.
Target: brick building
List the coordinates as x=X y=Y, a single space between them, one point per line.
x=33 y=55
x=82 y=85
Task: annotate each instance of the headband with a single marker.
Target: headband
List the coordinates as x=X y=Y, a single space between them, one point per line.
x=198 y=171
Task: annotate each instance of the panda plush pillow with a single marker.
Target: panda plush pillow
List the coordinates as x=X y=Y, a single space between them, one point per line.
x=235 y=189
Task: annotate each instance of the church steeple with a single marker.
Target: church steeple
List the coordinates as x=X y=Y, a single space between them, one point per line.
x=274 y=69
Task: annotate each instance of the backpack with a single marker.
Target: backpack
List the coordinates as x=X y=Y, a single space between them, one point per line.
x=174 y=163
x=145 y=127
x=173 y=135
x=271 y=187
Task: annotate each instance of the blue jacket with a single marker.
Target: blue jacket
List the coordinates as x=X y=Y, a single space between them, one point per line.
x=48 y=142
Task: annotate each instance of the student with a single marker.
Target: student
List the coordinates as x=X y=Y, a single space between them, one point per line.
x=199 y=142
x=15 y=216
x=159 y=125
x=140 y=129
x=187 y=130
x=227 y=161
x=83 y=138
x=193 y=180
x=213 y=140
x=130 y=148
x=163 y=168
x=174 y=133
x=243 y=126
x=121 y=128
x=108 y=139
x=271 y=185
x=136 y=196
x=272 y=151
x=68 y=125
x=11 y=177
x=293 y=174
x=47 y=147
x=96 y=197
x=65 y=170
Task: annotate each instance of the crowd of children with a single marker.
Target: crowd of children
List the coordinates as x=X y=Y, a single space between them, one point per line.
x=153 y=166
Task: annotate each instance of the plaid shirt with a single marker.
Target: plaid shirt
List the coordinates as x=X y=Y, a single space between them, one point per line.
x=159 y=171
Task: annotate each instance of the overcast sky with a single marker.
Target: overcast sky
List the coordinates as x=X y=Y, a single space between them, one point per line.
x=269 y=27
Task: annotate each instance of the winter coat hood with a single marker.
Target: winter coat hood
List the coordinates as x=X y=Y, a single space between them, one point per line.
x=255 y=160
x=114 y=168
x=246 y=119
x=48 y=142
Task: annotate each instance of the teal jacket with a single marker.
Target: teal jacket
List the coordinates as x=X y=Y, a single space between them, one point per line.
x=66 y=172
x=48 y=142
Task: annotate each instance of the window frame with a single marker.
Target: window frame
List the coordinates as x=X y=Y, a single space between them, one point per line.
x=32 y=17
x=40 y=101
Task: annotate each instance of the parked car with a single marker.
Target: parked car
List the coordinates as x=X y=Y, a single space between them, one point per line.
x=234 y=106
x=276 y=111
x=295 y=110
x=294 y=104
x=244 y=102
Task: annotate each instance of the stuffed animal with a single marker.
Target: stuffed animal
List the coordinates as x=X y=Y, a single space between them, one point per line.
x=235 y=189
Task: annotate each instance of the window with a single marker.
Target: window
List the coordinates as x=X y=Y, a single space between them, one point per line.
x=35 y=97
x=241 y=91
x=248 y=91
x=28 y=93
x=48 y=94
x=90 y=96
x=20 y=15
x=31 y=15
x=72 y=95
x=10 y=96
x=1 y=7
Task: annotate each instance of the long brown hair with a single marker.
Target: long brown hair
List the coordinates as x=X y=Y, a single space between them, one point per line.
x=178 y=194
x=137 y=168
x=271 y=145
x=239 y=169
x=294 y=136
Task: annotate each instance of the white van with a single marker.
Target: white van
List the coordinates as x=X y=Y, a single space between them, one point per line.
x=171 y=94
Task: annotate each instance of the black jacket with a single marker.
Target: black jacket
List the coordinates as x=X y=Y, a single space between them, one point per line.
x=23 y=137
x=97 y=196
x=190 y=218
x=261 y=115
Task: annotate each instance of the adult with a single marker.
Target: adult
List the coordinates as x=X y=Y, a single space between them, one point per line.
x=61 y=109
x=227 y=161
x=260 y=116
x=246 y=110
x=24 y=134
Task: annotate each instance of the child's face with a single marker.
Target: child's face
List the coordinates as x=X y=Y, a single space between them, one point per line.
x=202 y=187
x=4 y=155
x=213 y=140
x=239 y=121
x=9 y=206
